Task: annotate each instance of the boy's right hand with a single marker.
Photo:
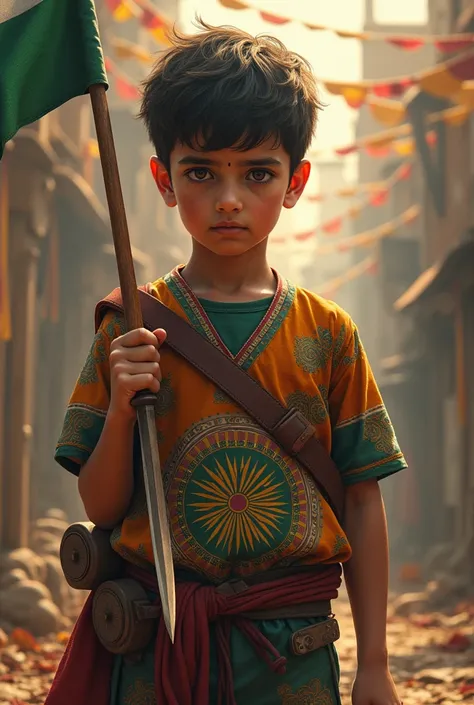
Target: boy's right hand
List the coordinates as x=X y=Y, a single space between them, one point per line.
x=134 y=365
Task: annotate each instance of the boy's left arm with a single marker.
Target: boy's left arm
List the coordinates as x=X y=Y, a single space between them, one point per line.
x=365 y=449
x=366 y=575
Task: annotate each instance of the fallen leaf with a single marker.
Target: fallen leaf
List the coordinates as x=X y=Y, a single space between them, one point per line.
x=423 y=621
x=466 y=688
x=46 y=666
x=24 y=639
x=62 y=638
x=456 y=643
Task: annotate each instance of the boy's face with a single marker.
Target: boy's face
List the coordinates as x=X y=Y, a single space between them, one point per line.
x=230 y=201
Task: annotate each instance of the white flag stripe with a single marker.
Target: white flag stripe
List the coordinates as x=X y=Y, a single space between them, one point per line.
x=12 y=8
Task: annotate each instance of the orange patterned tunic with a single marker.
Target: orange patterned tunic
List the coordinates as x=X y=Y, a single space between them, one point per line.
x=239 y=504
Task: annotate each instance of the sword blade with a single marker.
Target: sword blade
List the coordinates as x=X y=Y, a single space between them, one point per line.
x=158 y=514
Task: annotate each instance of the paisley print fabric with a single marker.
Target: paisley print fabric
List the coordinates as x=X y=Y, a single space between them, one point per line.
x=238 y=504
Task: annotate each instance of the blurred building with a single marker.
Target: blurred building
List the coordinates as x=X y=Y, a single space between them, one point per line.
x=380 y=60
x=427 y=294
x=61 y=262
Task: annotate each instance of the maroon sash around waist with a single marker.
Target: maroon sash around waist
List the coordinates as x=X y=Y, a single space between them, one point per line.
x=182 y=669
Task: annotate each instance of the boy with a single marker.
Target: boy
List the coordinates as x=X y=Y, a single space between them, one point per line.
x=231 y=117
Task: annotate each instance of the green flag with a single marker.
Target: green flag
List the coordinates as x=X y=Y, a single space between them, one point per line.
x=50 y=52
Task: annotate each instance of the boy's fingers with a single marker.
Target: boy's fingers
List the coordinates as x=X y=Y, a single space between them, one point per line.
x=141 y=353
x=139 y=336
x=143 y=381
x=160 y=335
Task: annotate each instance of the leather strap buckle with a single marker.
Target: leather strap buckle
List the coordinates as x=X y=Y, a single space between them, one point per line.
x=314 y=637
x=292 y=431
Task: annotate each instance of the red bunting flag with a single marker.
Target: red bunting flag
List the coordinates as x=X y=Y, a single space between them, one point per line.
x=274 y=19
x=333 y=226
x=151 y=20
x=379 y=198
x=405 y=171
x=301 y=237
x=452 y=44
x=344 y=151
x=407 y=43
x=375 y=150
x=125 y=87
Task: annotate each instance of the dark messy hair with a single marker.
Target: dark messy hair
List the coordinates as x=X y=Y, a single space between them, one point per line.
x=224 y=88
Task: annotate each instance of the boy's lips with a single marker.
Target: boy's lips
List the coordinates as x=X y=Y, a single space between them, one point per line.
x=229 y=226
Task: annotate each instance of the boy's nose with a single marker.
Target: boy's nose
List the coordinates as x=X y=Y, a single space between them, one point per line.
x=229 y=202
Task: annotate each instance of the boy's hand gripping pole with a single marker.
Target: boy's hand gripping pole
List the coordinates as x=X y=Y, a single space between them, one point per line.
x=145 y=401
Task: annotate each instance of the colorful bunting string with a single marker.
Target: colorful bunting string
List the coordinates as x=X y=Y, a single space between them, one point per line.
x=370 y=237
x=121 y=10
x=399 y=140
x=389 y=112
x=377 y=196
x=364 y=239
x=366 y=266
x=145 y=12
x=125 y=87
x=123 y=49
x=401 y=173
x=448 y=43
x=444 y=80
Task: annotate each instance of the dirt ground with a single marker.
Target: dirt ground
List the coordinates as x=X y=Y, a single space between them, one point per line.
x=432 y=658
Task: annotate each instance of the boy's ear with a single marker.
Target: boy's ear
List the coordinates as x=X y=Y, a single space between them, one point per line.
x=163 y=181
x=298 y=182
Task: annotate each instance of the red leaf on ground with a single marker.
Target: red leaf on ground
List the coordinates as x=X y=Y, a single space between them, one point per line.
x=456 y=643
x=46 y=666
x=465 y=688
x=24 y=639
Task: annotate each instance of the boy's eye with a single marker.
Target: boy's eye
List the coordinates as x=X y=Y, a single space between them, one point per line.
x=199 y=174
x=260 y=176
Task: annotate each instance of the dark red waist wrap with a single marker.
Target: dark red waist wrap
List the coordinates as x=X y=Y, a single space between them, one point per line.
x=182 y=669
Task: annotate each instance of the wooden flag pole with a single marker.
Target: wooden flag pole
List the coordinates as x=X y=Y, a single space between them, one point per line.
x=144 y=401
x=118 y=218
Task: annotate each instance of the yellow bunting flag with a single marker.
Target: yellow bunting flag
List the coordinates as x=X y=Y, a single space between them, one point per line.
x=122 y=10
x=233 y=4
x=465 y=96
x=456 y=116
x=123 y=49
x=389 y=112
x=404 y=147
x=93 y=148
x=440 y=82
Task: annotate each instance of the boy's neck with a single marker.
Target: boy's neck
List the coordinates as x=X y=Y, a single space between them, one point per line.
x=247 y=277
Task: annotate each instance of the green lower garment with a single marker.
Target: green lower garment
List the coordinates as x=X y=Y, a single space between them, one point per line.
x=312 y=679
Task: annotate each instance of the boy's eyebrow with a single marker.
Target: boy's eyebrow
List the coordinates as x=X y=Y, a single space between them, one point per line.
x=205 y=161
x=264 y=161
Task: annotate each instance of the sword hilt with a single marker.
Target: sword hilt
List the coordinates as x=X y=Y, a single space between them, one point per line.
x=144 y=398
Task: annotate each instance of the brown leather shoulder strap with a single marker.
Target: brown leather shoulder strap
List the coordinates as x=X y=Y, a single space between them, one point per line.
x=114 y=301
x=292 y=431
